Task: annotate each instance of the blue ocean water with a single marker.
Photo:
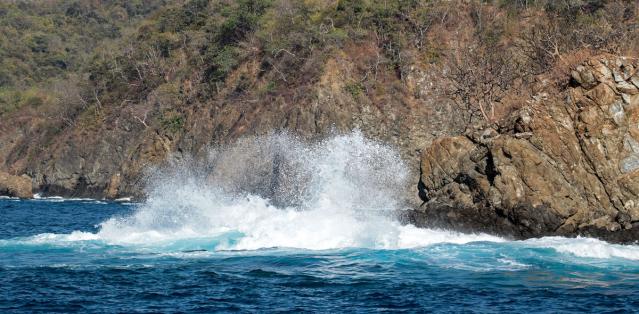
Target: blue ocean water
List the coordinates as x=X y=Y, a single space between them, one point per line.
x=220 y=234
x=54 y=258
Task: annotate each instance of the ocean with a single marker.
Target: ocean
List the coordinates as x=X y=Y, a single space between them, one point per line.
x=202 y=242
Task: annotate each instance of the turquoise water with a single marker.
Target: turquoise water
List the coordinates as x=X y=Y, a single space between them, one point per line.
x=276 y=224
x=54 y=258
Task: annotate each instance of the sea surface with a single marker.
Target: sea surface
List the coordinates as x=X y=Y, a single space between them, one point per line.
x=53 y=259
x=206 y=241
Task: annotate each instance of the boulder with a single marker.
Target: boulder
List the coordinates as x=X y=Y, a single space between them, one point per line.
x=15 y=186
x=566 y=165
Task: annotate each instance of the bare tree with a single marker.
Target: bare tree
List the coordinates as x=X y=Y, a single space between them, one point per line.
x=70 y=99
x=541 y=45
x=479 y=79
x=143 y=118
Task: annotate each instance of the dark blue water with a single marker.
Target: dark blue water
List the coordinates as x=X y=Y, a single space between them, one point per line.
x=51 y=260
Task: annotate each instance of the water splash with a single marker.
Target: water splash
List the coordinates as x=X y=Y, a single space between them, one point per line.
x=279 y=191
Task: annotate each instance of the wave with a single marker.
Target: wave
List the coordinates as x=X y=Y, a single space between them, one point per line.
x=450 y=249
x=586 y=247
x=278 y=191
x=59 y=199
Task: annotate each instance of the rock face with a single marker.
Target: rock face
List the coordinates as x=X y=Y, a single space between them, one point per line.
x=106 y=156
x=565 y=165
x=15 y=186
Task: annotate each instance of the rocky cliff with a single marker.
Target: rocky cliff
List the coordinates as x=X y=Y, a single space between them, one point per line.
x=171 y=79
x=178 y=77
x=566 y=164
x=106 y=156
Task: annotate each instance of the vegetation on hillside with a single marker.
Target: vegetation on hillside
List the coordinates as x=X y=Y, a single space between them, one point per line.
x=46 y=42
x=84 y=60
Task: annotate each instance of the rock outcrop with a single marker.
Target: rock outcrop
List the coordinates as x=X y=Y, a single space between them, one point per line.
x=15 y=186
x=107 y=155
x=567 y=164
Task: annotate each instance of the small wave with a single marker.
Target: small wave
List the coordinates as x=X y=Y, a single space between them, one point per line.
x=513 y=263
x=39 y=197
x=52 y=241
x=58 y=199
x=586 y=247
x=58 y=238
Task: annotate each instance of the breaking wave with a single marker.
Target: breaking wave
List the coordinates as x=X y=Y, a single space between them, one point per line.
x=279 y=191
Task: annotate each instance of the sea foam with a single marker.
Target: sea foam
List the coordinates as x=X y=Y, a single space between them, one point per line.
x=280 y=191
x=586 y=247
x=337 y=193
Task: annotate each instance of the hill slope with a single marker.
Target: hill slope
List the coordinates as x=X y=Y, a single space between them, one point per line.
x=97 y=92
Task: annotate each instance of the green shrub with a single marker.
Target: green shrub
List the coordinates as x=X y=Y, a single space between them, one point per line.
x=355 y=89
x=222 y=62
x=172 y=121
x=270 y=87
x=33 y=101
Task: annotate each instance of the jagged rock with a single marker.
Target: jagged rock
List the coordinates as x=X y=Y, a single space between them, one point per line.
x=600 y=71
x=629 y=164
x=15 y=186
x=627 y=88
x=567 y=168
x=584 y=76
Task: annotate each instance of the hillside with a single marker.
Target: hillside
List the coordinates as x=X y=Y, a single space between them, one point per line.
x=46 y=43
x=92 y=93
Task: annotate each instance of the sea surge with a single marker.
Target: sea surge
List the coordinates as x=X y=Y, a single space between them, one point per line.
x=279 y=191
